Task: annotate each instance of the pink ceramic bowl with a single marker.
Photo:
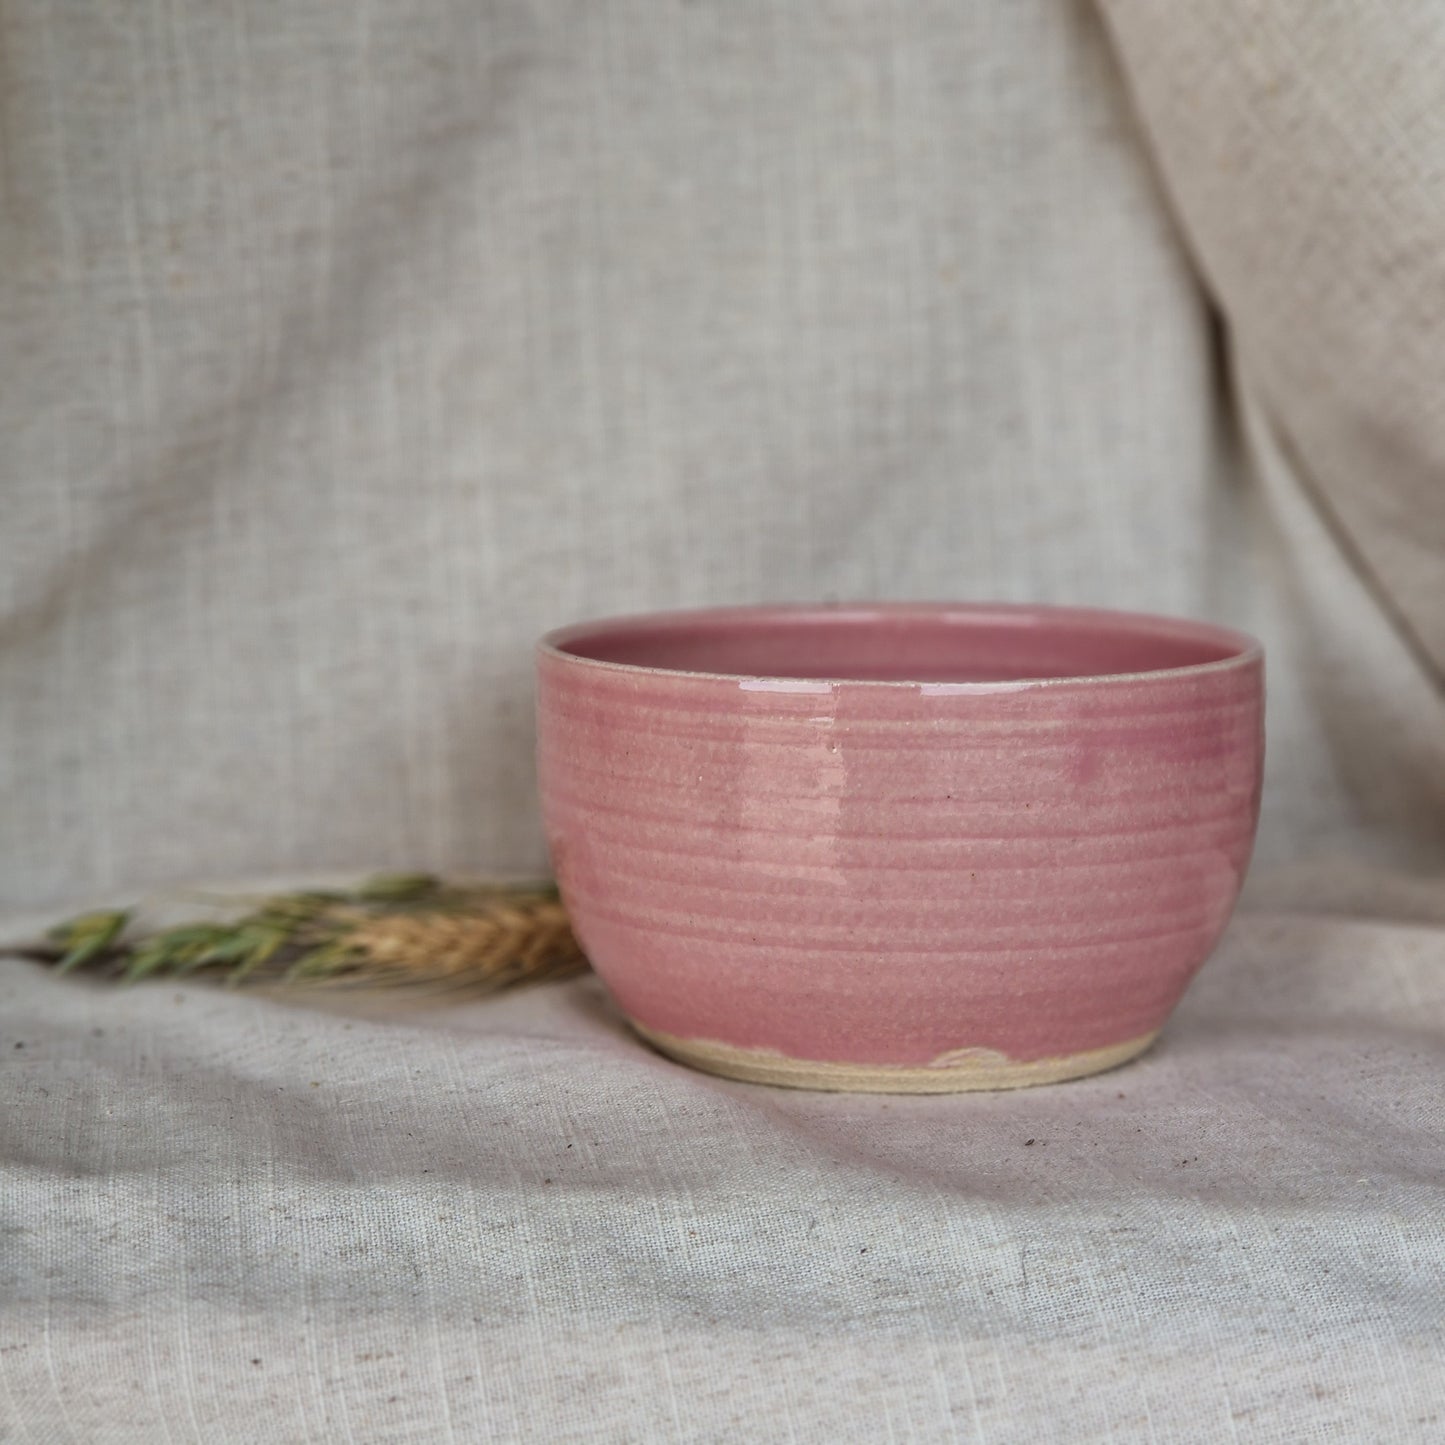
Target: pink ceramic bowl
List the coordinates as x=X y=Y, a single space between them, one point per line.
x=899 y=848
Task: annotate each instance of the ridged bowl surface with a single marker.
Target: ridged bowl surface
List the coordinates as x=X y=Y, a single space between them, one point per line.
x=908 y=847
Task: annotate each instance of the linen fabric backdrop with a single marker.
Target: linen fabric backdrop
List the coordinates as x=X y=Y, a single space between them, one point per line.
x=347 y=348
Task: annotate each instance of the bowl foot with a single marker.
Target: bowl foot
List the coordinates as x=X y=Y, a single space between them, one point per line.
x=960 y=1071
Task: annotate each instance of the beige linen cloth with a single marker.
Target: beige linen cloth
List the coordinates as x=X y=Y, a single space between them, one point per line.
x=344 y=348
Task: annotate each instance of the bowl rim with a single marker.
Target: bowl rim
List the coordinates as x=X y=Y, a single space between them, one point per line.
x=1246 y=651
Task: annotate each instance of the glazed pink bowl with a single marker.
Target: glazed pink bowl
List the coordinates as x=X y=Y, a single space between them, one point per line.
x=904 y=848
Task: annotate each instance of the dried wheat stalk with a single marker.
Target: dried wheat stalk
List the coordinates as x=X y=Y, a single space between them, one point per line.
x=410 y=931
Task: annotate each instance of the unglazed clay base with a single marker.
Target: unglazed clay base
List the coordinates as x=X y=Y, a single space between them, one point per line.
x=955 y=1073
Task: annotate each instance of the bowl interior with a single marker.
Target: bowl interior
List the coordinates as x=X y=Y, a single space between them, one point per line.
x=905 y=643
